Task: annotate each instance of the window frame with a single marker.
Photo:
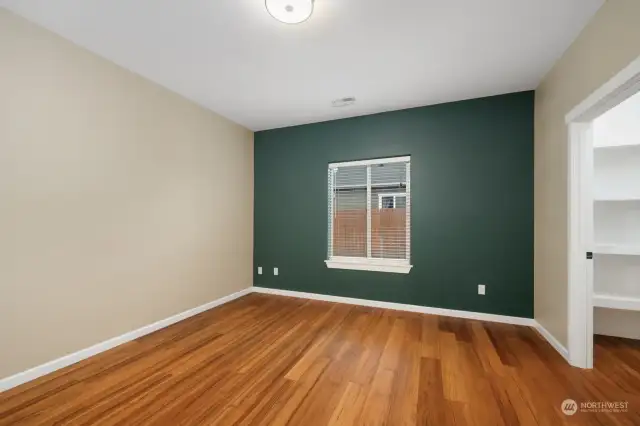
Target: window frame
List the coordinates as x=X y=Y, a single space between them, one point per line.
x=390 y=194
x=370 y=263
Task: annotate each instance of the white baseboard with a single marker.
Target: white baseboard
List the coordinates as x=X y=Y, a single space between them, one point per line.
x=51 y=366
x=553 y=341
x=401 y=307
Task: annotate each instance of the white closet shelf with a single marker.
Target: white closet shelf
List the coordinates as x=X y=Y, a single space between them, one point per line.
x=621 y=249
x=620 y=146
x=617 y=198
x=602 y=300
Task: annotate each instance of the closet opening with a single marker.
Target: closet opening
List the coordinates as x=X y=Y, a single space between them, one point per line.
x=604 y=218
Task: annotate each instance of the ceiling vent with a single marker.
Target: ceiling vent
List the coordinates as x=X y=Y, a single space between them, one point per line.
x=343 y=102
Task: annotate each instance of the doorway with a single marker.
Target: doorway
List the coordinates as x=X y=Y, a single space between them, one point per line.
x=604 y=211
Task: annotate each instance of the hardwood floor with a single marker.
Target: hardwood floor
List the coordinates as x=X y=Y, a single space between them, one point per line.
x=269 y=360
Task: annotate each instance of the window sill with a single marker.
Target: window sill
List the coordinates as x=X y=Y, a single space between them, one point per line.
x=375 y=265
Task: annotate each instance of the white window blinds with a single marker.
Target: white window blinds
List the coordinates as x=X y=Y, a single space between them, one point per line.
x=369 y=211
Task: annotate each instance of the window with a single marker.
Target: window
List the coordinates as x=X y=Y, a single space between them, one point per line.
x=392 y=201
x=369 y=215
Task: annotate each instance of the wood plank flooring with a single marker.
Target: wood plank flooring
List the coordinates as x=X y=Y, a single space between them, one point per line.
x=270 y=360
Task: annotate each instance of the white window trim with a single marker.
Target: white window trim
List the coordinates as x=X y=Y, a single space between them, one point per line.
x=391 y=194
x=368 y=212
x=371 y=162
x=400 y=266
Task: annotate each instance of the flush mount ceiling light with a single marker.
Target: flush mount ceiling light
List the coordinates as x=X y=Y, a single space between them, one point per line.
x=290 y=11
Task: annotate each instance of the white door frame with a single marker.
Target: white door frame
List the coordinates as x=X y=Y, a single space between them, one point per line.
x=580 y=213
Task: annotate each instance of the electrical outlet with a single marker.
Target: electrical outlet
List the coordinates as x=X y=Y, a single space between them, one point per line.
x=481 y=289
x=259 y=270
x=275 y=271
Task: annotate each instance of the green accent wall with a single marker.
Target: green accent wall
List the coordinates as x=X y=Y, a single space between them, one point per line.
x=471 y=204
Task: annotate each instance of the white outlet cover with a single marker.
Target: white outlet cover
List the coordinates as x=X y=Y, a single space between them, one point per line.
x=259 y=270
x=481 y=289
x=275 y=271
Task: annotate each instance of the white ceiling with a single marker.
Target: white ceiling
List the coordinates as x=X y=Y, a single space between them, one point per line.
x=232 y=57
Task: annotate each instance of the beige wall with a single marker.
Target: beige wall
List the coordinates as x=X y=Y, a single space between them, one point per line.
x=121 y=203
x=609 y=43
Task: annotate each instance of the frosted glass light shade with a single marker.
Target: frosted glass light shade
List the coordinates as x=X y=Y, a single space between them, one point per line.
x=290 y=11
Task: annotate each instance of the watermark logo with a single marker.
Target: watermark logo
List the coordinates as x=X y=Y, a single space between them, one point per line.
x=569 y=407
